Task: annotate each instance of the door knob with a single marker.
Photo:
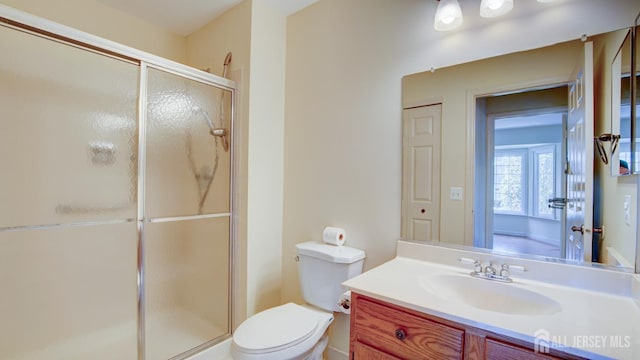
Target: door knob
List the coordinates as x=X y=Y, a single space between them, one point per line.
x=579 y=229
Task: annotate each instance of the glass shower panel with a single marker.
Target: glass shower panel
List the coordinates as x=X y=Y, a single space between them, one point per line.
x=186 y=284
x=69 y=293
x=188 y=169
x=68 y=135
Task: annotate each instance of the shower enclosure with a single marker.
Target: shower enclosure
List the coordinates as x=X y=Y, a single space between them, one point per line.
x=115 y=199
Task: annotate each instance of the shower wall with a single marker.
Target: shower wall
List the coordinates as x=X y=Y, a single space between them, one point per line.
x=101 y=203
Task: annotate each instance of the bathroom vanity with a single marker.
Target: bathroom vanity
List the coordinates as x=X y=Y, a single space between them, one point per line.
x=380 y=330
x=424 y=304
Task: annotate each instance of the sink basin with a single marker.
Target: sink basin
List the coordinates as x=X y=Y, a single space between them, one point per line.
x=489 y=295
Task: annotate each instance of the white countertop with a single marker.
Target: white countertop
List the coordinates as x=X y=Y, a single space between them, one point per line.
x=590 y=323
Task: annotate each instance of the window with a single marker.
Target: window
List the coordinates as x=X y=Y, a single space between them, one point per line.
x=544 y=180
x=509 y=181
x=525 y=179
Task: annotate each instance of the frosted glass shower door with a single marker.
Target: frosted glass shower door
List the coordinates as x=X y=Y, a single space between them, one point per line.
x=68 y=133
x=186 y=215
x=188 y=170
x=68 y=237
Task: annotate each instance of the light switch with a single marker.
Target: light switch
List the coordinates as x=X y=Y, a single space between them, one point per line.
x=455 y=193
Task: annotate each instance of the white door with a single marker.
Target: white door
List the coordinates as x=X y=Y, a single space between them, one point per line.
x=580 y=161
x=421 y=177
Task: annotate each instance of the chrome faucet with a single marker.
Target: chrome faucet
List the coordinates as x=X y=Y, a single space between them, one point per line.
x=490 y=272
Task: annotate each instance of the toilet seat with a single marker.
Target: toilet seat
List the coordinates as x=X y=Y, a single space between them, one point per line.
x=288 y=328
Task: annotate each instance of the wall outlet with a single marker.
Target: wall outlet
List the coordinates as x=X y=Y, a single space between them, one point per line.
x=455 y=193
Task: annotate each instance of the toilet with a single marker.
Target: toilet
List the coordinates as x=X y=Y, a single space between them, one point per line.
x=299 y=332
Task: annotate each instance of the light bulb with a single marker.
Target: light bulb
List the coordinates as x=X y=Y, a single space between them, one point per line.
x=493 y=8
x=448 y=15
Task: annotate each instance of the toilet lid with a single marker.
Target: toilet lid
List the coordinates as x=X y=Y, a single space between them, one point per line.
x=279 y=327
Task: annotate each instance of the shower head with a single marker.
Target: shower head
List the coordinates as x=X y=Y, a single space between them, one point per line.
x=227 y=61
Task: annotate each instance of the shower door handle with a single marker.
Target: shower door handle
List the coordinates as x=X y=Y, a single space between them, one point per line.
x=222 y=133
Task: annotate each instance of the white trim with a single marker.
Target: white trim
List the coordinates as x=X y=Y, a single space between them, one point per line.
x=334 y=353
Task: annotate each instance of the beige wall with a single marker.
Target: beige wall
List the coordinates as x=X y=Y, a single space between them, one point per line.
x=256 y=34
x=266 y=159
x=98 y=19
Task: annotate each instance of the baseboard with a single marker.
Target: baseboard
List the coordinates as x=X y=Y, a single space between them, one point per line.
x=335 y=354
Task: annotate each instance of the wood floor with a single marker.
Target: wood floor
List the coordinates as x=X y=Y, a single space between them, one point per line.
x=523 y=245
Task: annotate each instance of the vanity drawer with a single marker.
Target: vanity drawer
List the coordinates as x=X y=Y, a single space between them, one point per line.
x=498 y=350
x=366 y=352
x=404 y=335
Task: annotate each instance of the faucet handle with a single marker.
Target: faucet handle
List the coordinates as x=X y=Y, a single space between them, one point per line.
x=504 y=271
x=466 y=260
x=518 y=268
x=506 y=268
x=477 y=264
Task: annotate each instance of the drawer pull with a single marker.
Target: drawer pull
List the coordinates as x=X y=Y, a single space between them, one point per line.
x=400 y=334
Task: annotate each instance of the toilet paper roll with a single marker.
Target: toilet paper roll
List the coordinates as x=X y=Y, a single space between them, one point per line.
x=334 y=236
x=344 y=303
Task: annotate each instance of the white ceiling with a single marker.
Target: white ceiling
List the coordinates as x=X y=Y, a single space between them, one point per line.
x=186 y=16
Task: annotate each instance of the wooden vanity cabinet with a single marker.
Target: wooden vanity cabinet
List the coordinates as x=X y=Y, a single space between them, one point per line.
x=383 y=331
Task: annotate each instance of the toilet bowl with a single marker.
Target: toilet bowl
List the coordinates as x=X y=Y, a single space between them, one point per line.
x=299 y=332
x=285 y=332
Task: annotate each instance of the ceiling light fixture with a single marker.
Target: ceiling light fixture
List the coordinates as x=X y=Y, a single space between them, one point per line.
x=448 y=15
x=493 y=8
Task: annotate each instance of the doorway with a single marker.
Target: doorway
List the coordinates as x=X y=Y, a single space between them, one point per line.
x=520 y=162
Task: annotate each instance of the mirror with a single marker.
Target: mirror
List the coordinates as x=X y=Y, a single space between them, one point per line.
x=635 y=114
x=442 y=135
x=620 y=136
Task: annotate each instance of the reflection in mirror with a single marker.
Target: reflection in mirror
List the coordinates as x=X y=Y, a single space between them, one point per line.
x=500 y=182
x=635 y=126
x=635 y=114
x=620 y=148
x=520 y=168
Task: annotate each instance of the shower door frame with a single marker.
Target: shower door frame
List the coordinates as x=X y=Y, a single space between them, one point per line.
x=25 y=22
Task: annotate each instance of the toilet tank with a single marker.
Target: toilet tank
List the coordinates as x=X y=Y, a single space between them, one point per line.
x=322 y=268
